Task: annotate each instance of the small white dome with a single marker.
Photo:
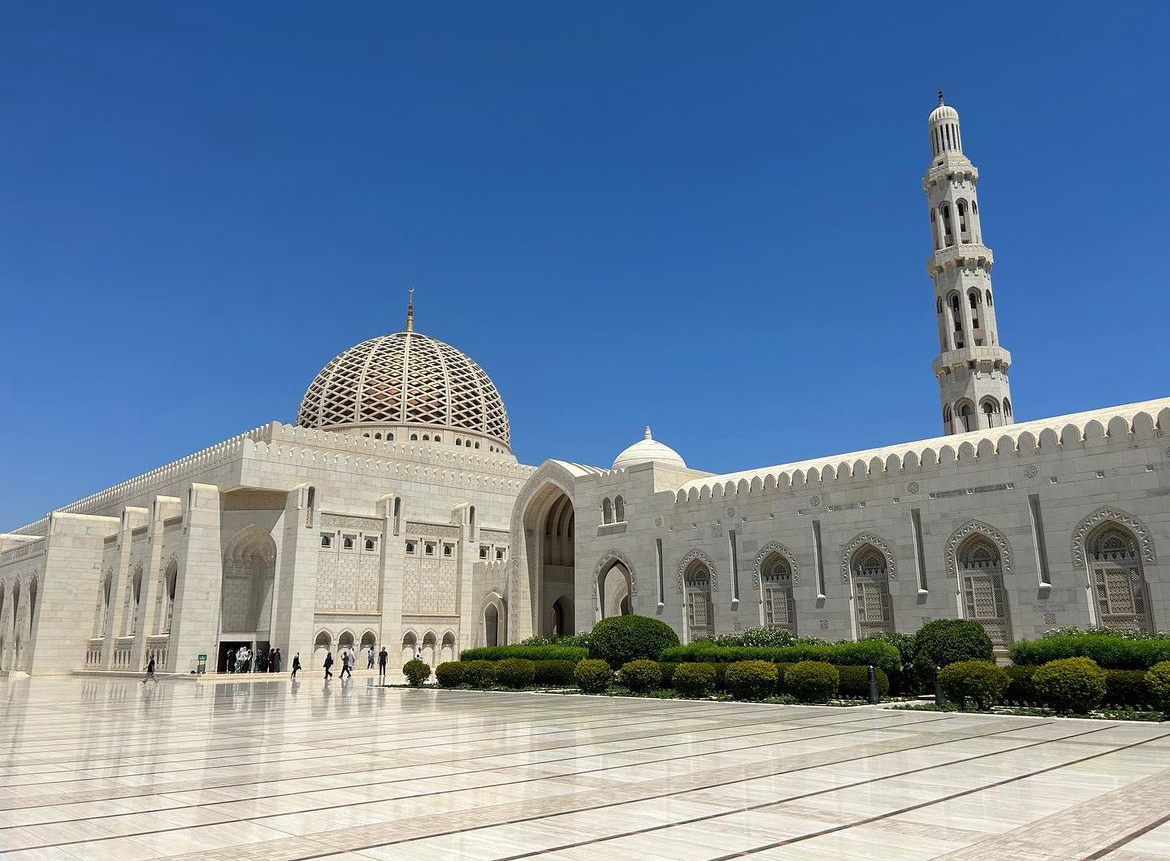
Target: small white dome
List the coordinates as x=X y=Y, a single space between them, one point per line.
x=649 y=450
x=942 y=113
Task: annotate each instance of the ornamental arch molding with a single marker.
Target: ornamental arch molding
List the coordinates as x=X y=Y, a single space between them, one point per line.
x=697 y=556
x=1116 y=515
x=767 y=550
x=977 y=527
x=607 y=561
x=860 y=541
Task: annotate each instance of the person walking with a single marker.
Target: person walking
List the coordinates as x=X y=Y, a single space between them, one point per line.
x=346 y=664
x=230 y=662
x=369 y=657
x=279 y=661
x=296 y=665
x=383 y=656
x=328 y=665
x=150 y=672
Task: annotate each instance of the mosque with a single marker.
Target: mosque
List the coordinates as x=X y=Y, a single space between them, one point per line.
x=394 y=512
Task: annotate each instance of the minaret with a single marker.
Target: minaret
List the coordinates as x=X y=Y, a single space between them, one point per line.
x=972 y=367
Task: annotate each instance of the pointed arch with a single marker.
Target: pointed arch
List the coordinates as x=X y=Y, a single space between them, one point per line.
x=774 y=573
x=868 y=566
x=848 y=551
x=493 y=614
x=1124 y=518
x=977 y=527
x=775 y=547
x=696 y=580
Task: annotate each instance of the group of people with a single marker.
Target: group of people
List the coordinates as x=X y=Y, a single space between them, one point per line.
x=242 y=660
x=348 y=658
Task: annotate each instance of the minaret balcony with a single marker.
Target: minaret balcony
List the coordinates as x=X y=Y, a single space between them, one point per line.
x=994 y=357
x=962 y=256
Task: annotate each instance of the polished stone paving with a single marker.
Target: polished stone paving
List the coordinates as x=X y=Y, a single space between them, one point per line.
x=105 y=768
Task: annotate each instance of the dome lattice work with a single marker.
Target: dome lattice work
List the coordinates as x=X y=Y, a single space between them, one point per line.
x=405 y=379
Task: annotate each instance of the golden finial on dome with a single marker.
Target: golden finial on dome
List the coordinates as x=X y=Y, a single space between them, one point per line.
x=410 y=309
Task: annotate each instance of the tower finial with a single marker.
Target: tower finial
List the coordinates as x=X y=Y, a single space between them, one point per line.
x=940 y=98
x=410 y=309
x=646 y=433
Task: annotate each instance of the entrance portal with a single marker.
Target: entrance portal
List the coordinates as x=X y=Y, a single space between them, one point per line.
x=550 y=526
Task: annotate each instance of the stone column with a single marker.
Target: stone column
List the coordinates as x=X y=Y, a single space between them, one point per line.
x=195 y=624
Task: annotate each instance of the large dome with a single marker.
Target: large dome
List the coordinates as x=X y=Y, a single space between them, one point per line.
x=404 y=384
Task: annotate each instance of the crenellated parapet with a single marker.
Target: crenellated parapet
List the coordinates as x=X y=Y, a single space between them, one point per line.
x=1118 y=426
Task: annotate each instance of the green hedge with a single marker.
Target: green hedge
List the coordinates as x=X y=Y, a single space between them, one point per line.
x=1109 y=650
x=1070 y=685
x=881 y=654
x=592 y=676
x=812 y=681
x=515 y=673
x=621 y=639
x=451 y=674
x=1158 y=682
x=855 y=681
x=751 y=680
x=1020 y=690
x=694 y=679
x=980 y=682
x=559 y=673
x=416 y=672
x=528 y=653
x=640 y=675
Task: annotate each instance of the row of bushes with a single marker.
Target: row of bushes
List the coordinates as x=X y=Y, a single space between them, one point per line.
x=880 y=654
x=1108 y=650
x=528 y=653
x=1076 y=685
x=807 y=681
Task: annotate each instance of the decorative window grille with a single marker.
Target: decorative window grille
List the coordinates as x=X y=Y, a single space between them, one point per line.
x=1118 y=579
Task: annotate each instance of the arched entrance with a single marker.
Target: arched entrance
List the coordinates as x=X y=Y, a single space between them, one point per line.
x=549 y=528
x=491 y=626
x=614 y=586
x=249 y=569
x=321 y=647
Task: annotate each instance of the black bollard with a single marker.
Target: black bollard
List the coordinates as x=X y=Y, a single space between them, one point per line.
x=874 y=696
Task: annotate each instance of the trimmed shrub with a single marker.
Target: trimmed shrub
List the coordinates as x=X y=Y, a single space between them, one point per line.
x=720 y=676
x=861 y=653
x=593 y=676
x=515 y=672
x=1111 y=651
x=1074 y=685
x=947 y=641
x=1126 y=689
x=981 y=682
x=666 y=673
x=1020 y=689
x=641 y=675
x=751 y=680
x=451 y=674
x=416 y=672
x=1158 y=682
x=528 y=653
x=621 y=639
x=855 y=682
x=694 y=680
x=554 y=672
x=479 y=674
x=812 y=681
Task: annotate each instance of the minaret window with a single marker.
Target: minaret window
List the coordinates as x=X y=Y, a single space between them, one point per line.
x=973 y=298
x=966 y=417
x=1007 y=408
x=989 y=302
x=961 y=206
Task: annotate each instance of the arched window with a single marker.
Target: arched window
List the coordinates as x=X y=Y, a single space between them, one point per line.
x=779 y=604
x=409 y=643
x=368 y=640
x=948 y=232
x=1119 y=583
x=390 y=437
x=426 y=437
x=871 y=591
x=491 y=626
x=984 y=599
x=130 y=627
x=988 y=294
x=397 y=515
x=447 y=649
x=376 y=436
x=171 y=584
x=1007 y=408
x=700 y=613
x=606 y=511
x=321 y=646
x=414 y=437
x=938 y=305
x=477 y=445
x=459 y=441
x=990 y=407
x=961 y=206
x=973 y=298
x=619 y=509
x=966 y=416
x=934 y=228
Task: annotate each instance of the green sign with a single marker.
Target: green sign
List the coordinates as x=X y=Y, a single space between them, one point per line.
x=203 y=657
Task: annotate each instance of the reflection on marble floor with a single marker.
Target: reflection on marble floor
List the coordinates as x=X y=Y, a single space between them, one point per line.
x=112 y=769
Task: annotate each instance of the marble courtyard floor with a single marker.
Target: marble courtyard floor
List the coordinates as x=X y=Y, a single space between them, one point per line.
x=103 y=768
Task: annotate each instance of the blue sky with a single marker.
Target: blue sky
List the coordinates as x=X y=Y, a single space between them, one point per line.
x=705 y=217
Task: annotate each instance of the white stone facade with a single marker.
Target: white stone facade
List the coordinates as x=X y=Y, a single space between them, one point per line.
x=395 y=513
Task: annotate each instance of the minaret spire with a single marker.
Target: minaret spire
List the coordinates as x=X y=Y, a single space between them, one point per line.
x=410 y=309
x=971 y=367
